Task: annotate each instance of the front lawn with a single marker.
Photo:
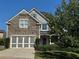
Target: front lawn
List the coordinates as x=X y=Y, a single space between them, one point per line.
x=55 y=52
x=56 y=55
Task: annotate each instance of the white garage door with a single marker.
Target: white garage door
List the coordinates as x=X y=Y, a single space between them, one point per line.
x=22 y=42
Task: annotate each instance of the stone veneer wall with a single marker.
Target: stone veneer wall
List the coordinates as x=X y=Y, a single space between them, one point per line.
x=13 y=27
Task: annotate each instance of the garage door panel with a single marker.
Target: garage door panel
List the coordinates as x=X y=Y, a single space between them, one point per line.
x=32 y=39
x=14 y=45
x=23 y=41
x=20 y=39
x=19 y=45
x=31 y=45
x=26 y=39
x=26 y=45
x=14 y=39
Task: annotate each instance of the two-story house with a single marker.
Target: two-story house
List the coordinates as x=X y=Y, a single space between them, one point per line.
x=25 y=27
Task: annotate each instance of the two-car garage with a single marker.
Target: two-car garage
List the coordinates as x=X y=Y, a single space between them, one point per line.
x=22 y=41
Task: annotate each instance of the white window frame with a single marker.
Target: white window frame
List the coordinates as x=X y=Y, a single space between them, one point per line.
x=44 y=29
x=34 y=15
x=24 y=24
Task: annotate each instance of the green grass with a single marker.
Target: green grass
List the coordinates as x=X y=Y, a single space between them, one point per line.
x=56 y=55
x=43 y=55
x=37 y=57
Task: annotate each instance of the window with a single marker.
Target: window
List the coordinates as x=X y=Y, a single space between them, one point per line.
x=44 y=27
x=23 y=23
x=34 y=15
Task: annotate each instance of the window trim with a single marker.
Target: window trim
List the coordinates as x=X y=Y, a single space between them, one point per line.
x=34 y=15
x=43 y=29
x=20 y=23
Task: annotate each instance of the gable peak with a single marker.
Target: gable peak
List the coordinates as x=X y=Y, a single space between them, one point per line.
x=23 y=11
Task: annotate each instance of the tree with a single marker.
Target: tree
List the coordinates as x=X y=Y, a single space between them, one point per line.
x=65 y=23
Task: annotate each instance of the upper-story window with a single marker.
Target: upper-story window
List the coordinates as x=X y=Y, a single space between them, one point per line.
x=34 y=15
x=44 y=27
x=23 y=23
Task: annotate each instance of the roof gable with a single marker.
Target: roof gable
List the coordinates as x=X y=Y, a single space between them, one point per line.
x=22 y=12
x=45 y=19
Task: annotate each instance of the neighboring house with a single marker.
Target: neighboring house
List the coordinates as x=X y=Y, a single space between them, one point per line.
x=1 y=34
x=25 y=27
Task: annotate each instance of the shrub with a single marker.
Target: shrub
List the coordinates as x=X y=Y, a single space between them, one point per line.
x=57 y=55
x=43 y=55
x=70 y=49
x=46 y=47
x=37 y=41
x=1 y=41
x=7 y=42
x=66 y=55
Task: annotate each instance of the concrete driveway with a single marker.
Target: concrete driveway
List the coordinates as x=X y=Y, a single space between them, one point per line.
x=17 y=53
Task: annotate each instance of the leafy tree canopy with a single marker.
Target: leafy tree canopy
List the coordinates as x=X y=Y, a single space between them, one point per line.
x=65 y=23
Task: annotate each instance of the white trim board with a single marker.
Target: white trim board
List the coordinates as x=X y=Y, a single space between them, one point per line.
x=22 y=35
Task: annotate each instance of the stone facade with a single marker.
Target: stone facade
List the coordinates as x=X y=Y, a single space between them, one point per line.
x=13 y=26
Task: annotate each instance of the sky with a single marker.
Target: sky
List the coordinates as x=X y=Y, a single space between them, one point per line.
x=9 y=8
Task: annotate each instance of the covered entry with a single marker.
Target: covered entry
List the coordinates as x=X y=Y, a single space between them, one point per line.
x=22 y=41
x=44 y=39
